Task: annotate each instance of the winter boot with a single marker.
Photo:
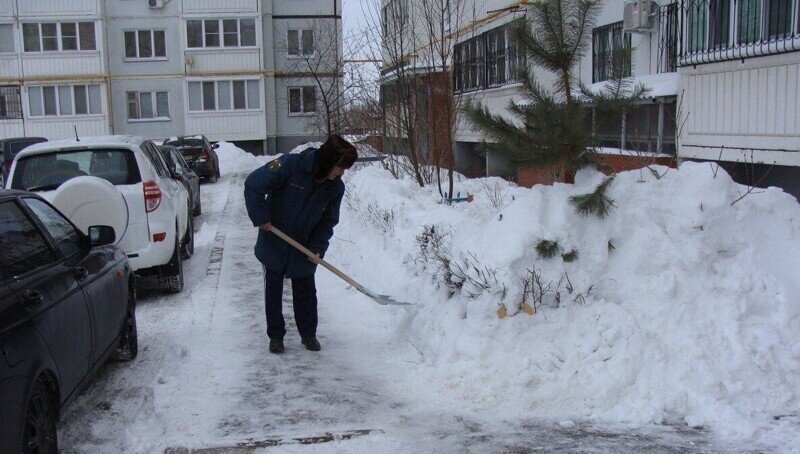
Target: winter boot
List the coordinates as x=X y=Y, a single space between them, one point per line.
x=276 y=345
x=312 y=344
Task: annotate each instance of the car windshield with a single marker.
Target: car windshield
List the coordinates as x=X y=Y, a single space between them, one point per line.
x=186 y=142
x=45 y=172
x=17 y=146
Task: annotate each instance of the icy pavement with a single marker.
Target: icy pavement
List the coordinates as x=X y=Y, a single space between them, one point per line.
x=205 y=382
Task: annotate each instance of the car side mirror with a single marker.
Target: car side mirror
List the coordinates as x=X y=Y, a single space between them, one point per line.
x=101 y=235
x=215 y=146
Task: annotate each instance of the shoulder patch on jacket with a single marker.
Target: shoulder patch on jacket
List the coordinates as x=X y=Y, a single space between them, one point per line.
x=274 y=165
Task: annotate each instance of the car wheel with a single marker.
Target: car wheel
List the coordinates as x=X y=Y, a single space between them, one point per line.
x=213 y=178
x=170 y=277
x=129 y=338
x=40 y=423
x=187 y=249
x=198 y=210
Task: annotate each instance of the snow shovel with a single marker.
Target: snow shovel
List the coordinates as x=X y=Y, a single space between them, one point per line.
x=380 y=299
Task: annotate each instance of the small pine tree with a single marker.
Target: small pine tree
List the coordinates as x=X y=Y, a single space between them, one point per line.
x=556 y=123
x=596 y=202
x=547 y=249
x=570 y=256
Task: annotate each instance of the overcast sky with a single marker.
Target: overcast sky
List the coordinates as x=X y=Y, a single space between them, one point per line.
x=352 y=15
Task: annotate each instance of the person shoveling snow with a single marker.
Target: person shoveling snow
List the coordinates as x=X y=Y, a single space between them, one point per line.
x=299 y=194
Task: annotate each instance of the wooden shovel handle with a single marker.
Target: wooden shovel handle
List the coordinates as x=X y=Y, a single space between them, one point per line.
x=314 y=258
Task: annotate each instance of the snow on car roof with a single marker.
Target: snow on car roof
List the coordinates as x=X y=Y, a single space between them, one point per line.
x=96 y=141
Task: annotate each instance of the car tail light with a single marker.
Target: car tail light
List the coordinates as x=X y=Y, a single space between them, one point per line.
x=159 y=237
x=204 y=154
x=152 y=195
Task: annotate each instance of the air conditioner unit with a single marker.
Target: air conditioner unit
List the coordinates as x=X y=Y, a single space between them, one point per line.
x=156 y=4
x=637 y=16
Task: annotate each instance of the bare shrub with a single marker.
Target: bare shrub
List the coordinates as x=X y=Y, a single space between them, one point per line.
x=495 y=193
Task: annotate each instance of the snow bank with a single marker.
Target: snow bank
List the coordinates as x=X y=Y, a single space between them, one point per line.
x=679 y=309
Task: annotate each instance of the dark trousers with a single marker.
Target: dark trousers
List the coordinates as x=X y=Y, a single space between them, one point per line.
x=304 y=300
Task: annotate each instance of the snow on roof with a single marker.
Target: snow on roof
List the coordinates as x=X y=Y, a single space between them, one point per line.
x=95 y=141
x=665 y=84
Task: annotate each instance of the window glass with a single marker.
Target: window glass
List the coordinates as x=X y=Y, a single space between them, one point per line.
x=65 y=99
x=49 y=95
x=209 y=103
x=224 y=94
x=30 y=37
x=130 y=44
x=49 y=171
x=308 y=42
x=247 y=31
x=162 y=104
x=49 y=37
x=749 y=12
x=295 y=99
x=133 y=105
x=239 y=95
x=293 y=39
x=195 y=96
x=81 y=100
x=35 y=101
x=146 y=103
x=309 y=99
x=194 y=33
x=160 y=44
x=67 y=239
x=86 y=30
x=95 y=103
x=145 y=44
x=212 y=33
x=22 y=247
x=69 y=36
x=230 y=30
x=253 y=95
x=779 y=18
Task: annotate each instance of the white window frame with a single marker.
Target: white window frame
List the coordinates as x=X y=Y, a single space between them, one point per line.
x=221 y=33
x=59 y=37
x=58 y=103
x=152 y=45
x=303 y=112
x=300 y=32
x=153 y=104
x=216 y=109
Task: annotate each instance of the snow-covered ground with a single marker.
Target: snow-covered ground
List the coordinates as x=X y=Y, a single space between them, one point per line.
x=689 y=339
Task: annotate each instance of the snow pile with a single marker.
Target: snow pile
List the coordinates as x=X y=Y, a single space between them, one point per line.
x=233 y=159
x=680 y=308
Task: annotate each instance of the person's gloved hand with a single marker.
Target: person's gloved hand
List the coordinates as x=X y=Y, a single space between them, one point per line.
x=266 y=227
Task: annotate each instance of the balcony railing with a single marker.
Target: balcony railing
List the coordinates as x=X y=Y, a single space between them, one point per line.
x=722 y=30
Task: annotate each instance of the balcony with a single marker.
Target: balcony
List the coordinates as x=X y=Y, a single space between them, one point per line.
x=722 y=30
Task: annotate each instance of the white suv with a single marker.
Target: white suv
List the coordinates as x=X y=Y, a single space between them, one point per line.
x=159 y=232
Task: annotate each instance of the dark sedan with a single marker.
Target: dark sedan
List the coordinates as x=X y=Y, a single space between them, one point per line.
x=182 y=172
x=67 y=304
x=199 y=154
x=9 y=148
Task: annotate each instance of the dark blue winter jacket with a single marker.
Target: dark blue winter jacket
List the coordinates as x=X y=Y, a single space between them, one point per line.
x=284 y=193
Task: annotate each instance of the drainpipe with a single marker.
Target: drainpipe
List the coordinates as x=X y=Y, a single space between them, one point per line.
x=107 y=77
x=623 y=132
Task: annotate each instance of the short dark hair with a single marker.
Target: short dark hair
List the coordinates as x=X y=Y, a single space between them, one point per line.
x=335 y=152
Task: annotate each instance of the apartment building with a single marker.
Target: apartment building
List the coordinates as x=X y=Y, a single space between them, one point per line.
x=723 y=78
x=233 y=70
x=740 y=88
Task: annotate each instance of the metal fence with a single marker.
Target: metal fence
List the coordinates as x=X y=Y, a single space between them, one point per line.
x=668 y=27
x=722 y=30
x=10 y=102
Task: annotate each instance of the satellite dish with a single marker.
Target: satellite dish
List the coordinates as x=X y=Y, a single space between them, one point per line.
x=89 y=201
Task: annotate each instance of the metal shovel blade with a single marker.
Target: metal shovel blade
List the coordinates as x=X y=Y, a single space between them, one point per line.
x=384 y=300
